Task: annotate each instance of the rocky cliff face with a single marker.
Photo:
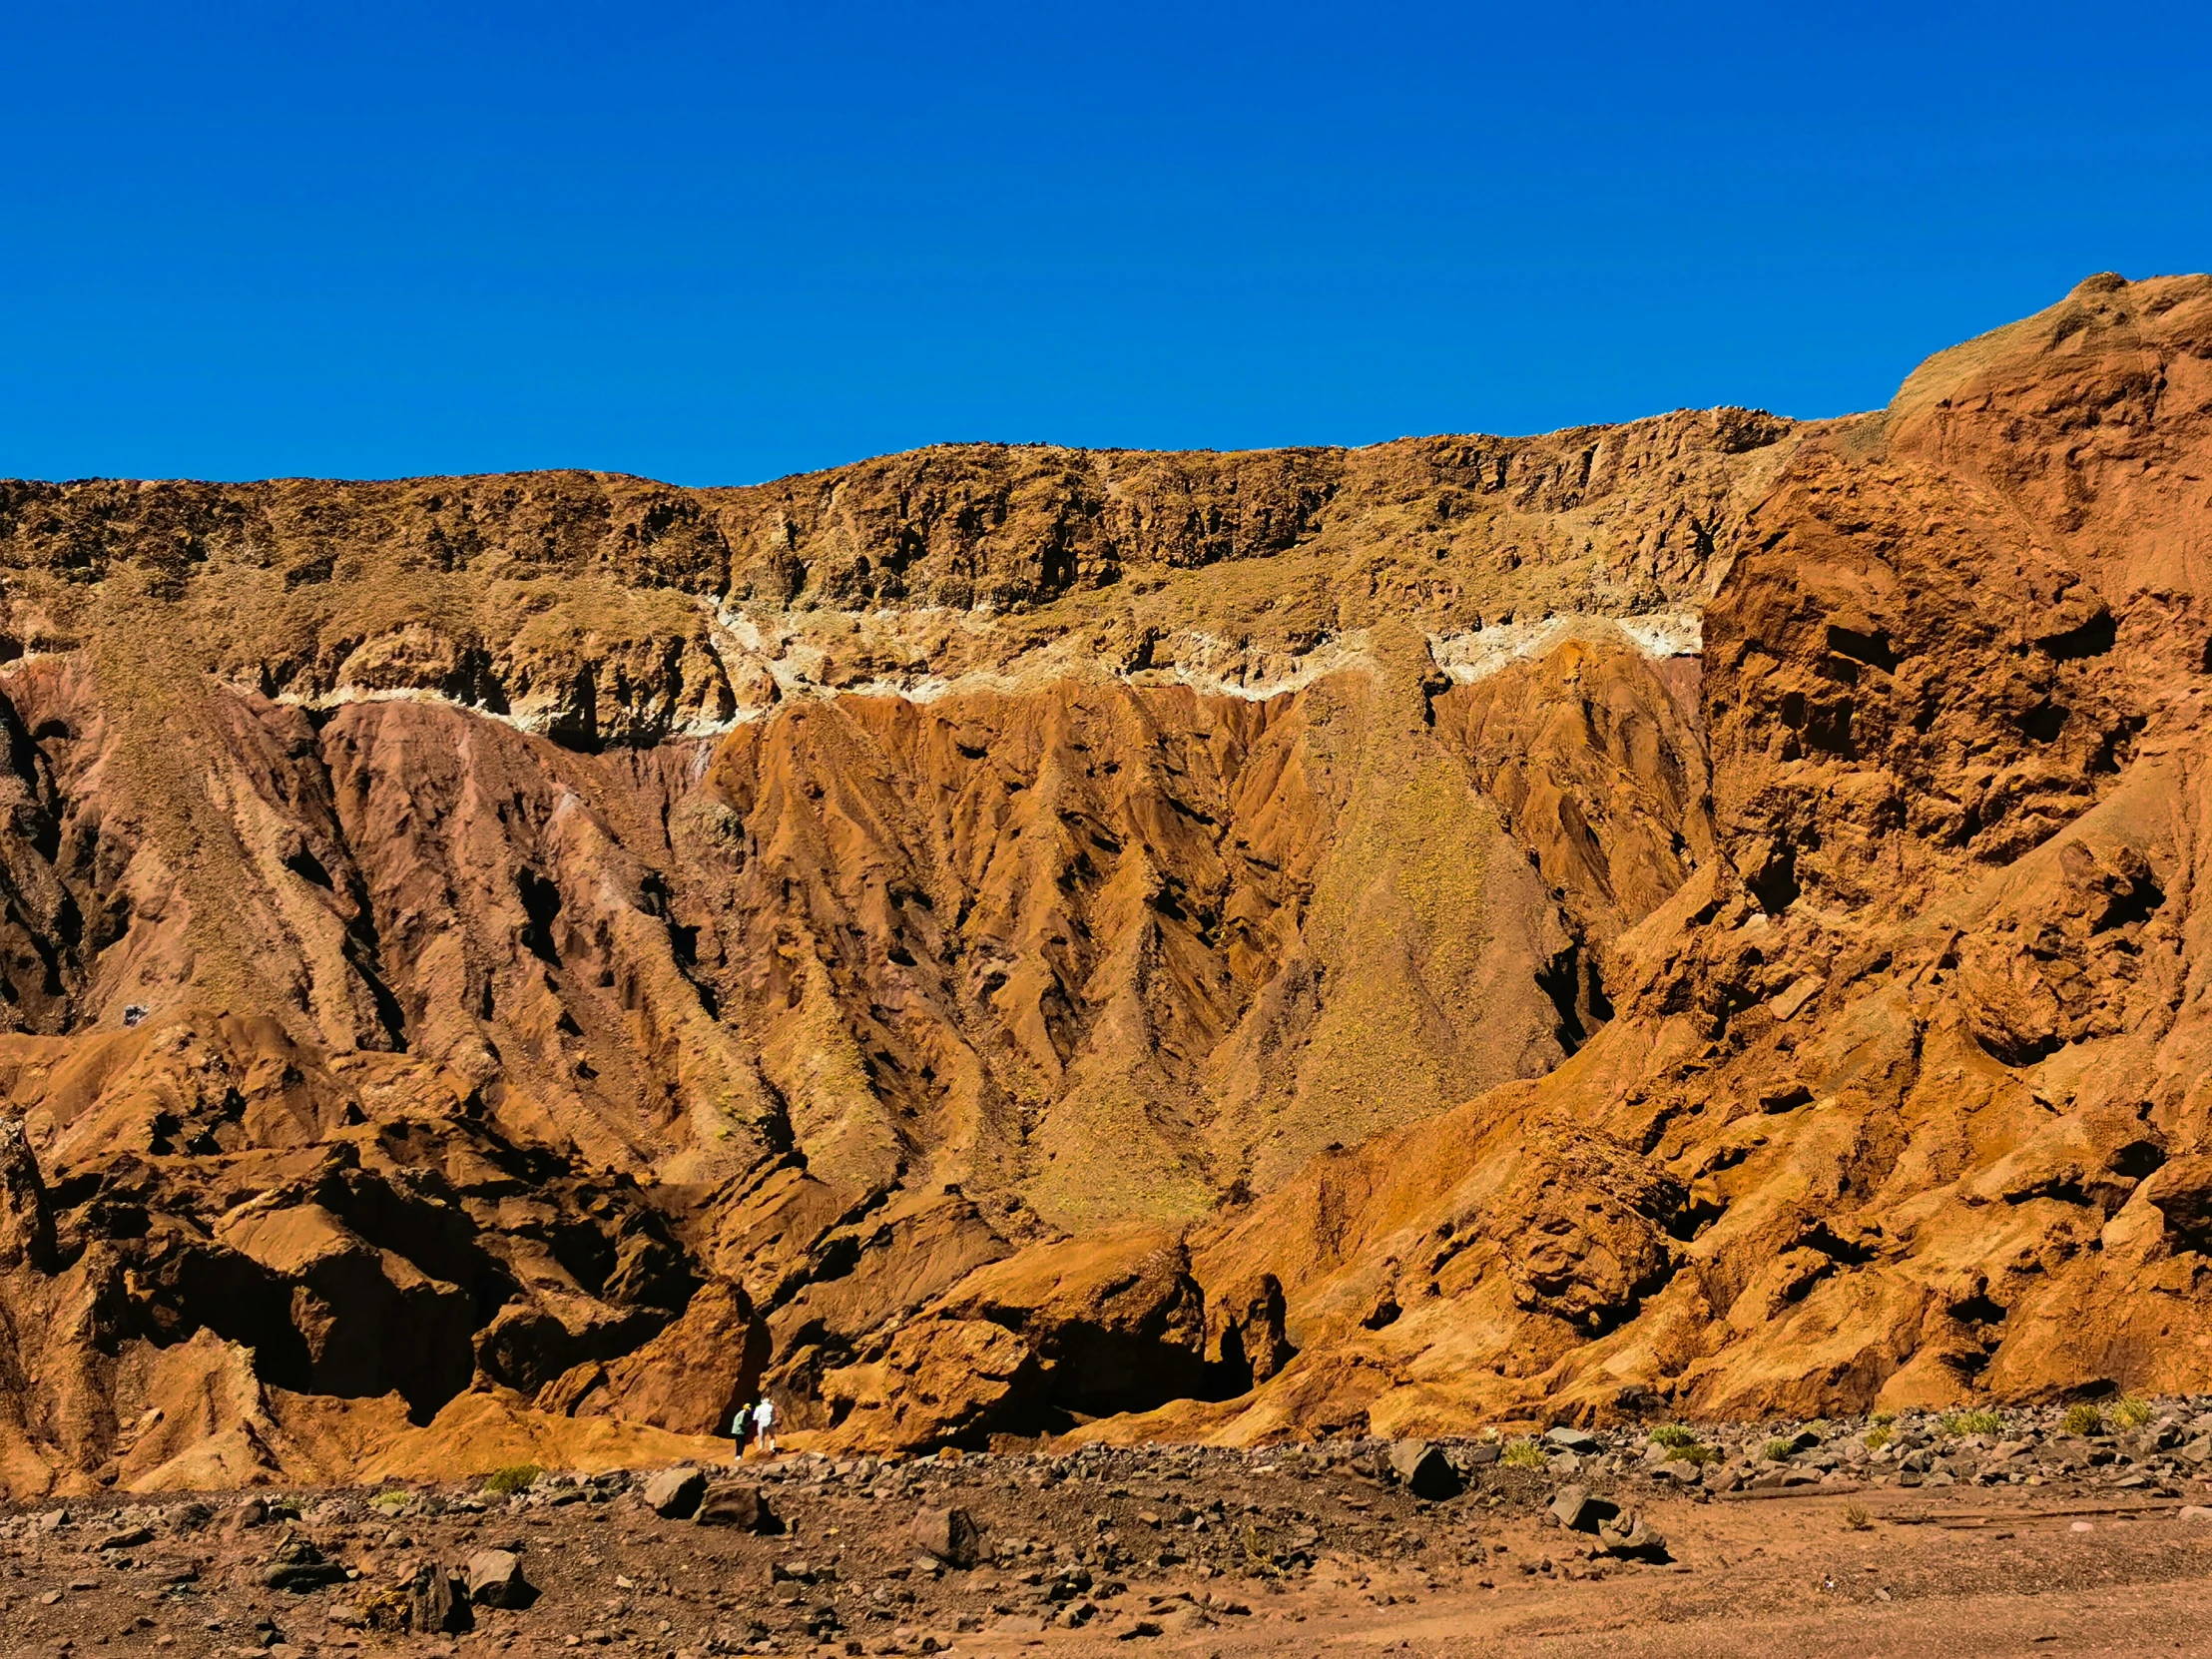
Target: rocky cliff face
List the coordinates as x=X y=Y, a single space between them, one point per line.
x=1694 y=915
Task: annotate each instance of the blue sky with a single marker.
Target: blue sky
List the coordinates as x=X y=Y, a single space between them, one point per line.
x=718 y=244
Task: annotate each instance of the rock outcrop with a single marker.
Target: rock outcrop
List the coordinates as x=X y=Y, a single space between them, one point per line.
x=1696 y=915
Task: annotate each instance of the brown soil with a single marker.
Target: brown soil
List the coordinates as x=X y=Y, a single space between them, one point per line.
x=1690 y=918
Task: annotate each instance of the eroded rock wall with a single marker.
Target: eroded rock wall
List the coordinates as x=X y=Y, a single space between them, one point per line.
x=1013 y=941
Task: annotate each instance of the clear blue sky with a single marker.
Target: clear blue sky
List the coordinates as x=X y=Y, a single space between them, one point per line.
x=719 y=244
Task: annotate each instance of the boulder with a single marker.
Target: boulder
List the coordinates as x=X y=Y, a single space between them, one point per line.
x=1575 y=1509
x=432 y=1607
x=300 y=1567
x=495 y=1580
x=301 y=1576
x=949 y=1535
x=1567 y=1438
x=674 y=1494
x=736 y=1504
x=1424 y=1470
x=1629 y=1539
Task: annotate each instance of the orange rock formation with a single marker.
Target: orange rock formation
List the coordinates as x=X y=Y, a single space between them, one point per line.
x=1694 y=916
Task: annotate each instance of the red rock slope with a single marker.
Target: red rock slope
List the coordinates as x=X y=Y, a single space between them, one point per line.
x=1016 y=940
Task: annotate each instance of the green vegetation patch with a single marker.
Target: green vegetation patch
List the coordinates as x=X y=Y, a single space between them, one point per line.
x=2081 y=1420
x=1981 y=1420
x=515 y=1477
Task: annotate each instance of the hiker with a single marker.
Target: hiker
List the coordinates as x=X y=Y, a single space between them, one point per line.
x=763 y=1418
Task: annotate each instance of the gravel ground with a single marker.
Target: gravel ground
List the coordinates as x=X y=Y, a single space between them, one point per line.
x=1419 y=1546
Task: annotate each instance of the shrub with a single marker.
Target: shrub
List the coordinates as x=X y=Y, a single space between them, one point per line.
x=1979 y=1421
x=2132 y=1413
x=1523 y=1454
x=1673 y=1435
x=1857 y=1518
x=1878 y=1436
x=514 y=1477
x=1779 y=1451
x=1694 y=1453
x=2081 y=1420
x=1883 y=1419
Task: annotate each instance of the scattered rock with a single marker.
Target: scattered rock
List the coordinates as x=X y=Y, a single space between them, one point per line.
x=1424 y=1470
x=432 y=1607
x=1575 y=1509
x=300 y=1567
x=950 y=1535
x=733 y=1504
x=1628 y=1537
x=495 y=1580
x=300 y=1577
x=674 y=1494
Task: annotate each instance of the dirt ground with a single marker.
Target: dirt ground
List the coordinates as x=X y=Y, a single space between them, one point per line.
x=1157 y=1550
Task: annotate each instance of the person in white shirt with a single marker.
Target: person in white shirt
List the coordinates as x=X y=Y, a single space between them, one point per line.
x=763 y=1418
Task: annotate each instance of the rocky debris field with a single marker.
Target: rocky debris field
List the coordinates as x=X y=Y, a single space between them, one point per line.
x=2127 y=1445
x=1206 y=1549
